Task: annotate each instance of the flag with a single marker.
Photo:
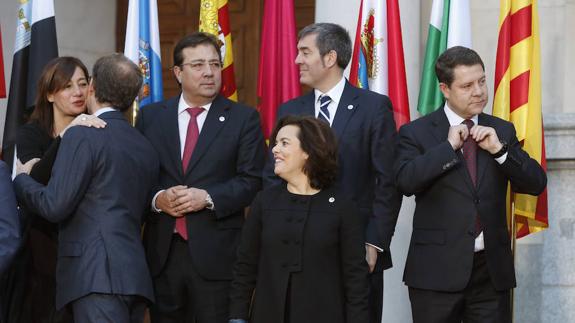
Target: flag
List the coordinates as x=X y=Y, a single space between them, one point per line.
x=35 y=46
x=278 y=77
x=449 y=25
x=142 y=47
x=518 y=98
x=377 y=62
x=214 y=19
x=2 y=80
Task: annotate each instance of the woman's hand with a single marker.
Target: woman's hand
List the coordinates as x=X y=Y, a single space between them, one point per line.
x=27 y=167
x=85 y=120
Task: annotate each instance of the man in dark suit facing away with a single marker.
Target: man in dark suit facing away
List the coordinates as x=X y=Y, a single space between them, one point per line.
x=458 y=161
x=363 y=123
x=98 y=193
x=211 y=155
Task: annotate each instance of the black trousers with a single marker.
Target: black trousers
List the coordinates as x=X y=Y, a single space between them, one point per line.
x=479 y=302
x=183 y=296
x=376 y=292
x=108 y=308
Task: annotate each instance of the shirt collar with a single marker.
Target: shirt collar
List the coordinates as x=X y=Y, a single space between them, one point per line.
x=183 y=105
x=334 y=93
x=454 y=118
x=103 y=110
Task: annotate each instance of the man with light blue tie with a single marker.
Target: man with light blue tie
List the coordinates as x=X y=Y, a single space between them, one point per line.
x=363 y=123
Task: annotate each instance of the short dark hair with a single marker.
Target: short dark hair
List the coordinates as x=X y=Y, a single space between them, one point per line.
x=453 y=57
x=193 y=40
x=55 y=76
x=116 y=80
x=330 y=37
x=319 y=142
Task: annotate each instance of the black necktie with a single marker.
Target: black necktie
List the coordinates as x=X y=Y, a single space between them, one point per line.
x=323 y=114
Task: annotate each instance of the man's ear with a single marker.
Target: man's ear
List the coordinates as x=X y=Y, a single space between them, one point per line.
x=445 y=90
x=330 y=59
x=177 y=74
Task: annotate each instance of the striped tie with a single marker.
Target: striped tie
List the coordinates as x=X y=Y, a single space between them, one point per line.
x=323 y=114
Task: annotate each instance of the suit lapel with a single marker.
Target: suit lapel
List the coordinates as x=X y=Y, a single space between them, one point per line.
x=171 y=133
x=215 y=121
x=307 y=104
x=441 y=129
x=345 y=109
x=483 y=156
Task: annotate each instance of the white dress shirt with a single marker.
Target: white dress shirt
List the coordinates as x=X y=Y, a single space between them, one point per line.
x=183 y=121
x=455 y=120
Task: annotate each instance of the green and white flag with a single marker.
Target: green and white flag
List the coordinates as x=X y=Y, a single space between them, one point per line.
x=449 y=25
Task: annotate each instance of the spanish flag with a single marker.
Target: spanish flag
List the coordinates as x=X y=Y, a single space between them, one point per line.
x=377 y=62
x=518 y=99
x=214 y=19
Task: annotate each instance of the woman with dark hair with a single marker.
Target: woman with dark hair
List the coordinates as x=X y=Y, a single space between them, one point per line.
x=60 y=104
x=302 y=248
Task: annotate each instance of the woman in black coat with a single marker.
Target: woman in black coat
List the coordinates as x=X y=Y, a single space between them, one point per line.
x=60 y=104
x=302 y=248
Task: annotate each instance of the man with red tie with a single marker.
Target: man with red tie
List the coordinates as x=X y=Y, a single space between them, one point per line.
x=211 y=154
x=457 y=161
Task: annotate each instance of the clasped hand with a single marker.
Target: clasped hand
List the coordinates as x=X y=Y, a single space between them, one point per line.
x=486 y=137
x=179 y=200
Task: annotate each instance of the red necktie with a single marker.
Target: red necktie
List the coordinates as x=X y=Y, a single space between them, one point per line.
x=191 y=139
x=470 y=156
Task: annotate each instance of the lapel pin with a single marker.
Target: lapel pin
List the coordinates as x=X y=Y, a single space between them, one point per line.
x=331 y=200
x=222 y=119
x=349 y=107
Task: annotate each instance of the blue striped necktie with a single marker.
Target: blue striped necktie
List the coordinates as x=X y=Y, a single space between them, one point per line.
x=323 y=114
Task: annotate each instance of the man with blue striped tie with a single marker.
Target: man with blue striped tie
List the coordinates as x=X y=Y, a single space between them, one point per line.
x=363 y=123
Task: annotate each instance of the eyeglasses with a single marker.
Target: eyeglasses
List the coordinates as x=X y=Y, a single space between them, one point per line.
x=200 y=66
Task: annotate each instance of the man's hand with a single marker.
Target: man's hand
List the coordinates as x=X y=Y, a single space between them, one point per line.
x=191 y=200
x=370 y=256
x=25 y=168
x=457 y=135
x=486 y=138
x=166 y=201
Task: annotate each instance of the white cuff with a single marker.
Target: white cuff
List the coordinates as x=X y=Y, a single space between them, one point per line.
x=376 y=247
x=501 y=159
x=154 y=208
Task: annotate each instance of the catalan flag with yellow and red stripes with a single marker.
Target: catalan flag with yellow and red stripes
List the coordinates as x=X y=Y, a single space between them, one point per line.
x=518 y=99
x=214 y=19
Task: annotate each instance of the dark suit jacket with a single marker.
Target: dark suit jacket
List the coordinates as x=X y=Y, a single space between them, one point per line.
x=366 y=135
x=9 y=219
x=227 y=162
x=441 y=250
x=100 y=186
x=302 y=254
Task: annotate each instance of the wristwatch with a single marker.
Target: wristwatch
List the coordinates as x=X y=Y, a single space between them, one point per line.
x=501 y=151
x=209 y=202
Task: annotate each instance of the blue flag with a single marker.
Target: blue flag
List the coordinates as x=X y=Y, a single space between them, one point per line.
x=143 y=47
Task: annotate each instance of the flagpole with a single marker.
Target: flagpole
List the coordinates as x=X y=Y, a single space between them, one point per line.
x=134 y=113
x=513 y=252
